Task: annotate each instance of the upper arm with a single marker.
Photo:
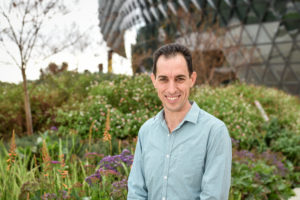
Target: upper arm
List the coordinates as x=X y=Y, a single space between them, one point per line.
x=217 y=173
x=136 y=182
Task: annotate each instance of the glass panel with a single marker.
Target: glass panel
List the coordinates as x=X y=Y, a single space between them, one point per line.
x=252 y=78
x=252 y=30
x=278 y=70
x=256 y=56
x=260 y=7
x=298 y=37
x=285 y=48
x=296 y=69
x=262 y=36
x=265 y=50
x=295 y=56
x=241 y=11
x=289 y=75
x=236 y=33
x=271 y=28
x=224 y=12
x=270 y=17
x=291 y=19
x=276 y=60
x=270 y=77
x=292 y=88
x=246 y=38
x=241 y=72
x=282 y=35
x=280 y=6
x=252 y=18
x=275 y=56
x=259 y=70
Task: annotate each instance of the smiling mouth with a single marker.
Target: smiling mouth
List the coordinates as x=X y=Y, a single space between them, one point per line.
x=173 y=98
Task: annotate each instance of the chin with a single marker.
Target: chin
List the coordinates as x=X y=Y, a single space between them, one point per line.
x=173 y=108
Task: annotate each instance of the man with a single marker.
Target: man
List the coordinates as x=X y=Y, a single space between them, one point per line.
x=183 y=153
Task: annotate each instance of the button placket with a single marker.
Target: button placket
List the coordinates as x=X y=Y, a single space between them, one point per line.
x=170 y=139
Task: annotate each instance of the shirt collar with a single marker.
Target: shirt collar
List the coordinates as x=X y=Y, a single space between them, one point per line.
x=191 y=116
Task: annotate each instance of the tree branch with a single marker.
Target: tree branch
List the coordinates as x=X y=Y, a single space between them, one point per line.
x=10 y=54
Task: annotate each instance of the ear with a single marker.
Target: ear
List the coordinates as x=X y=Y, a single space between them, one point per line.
x=193 y=77
x=153 y=79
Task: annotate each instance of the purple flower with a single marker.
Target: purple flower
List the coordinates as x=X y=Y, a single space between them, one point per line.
x=120 y=184
x=109 y=166
x=113 y=162
x=245 y=154
x=53 y=128
x=55 y=162
x=273 y=159
x=64 y=194
x=48 y=196
x=93 y=178
x=119 y=187
x=235 y=142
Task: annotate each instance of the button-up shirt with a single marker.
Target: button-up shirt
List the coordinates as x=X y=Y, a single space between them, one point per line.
x=192 y=162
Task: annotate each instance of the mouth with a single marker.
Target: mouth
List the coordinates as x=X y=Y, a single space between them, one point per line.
x=172 y=99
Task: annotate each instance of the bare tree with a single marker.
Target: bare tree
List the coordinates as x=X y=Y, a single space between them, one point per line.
x=24 y=35
x=216 y=56
x=217 y=50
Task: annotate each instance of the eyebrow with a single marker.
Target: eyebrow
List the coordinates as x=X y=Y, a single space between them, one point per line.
x=162 y=76
x=178 y=76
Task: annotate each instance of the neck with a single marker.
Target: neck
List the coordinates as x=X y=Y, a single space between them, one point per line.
x=173 y=119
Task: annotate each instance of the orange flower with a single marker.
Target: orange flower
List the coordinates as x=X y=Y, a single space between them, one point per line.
x=46 y=158
x=106 y=135
x=12 y=152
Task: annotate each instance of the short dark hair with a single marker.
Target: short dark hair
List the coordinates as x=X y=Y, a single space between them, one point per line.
x=173 y=49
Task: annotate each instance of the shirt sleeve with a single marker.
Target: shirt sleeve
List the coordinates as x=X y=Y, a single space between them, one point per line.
x=137 y=189
x=217 y=171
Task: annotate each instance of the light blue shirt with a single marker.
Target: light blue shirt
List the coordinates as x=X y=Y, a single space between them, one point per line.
x=192 y=162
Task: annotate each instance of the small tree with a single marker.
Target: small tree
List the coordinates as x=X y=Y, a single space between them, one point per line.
x=24 y=35
x=216 y=57
x=215 y=54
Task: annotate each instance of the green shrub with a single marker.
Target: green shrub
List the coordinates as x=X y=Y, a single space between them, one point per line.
x=11 y=109
x=280 y=139
x=259 y=176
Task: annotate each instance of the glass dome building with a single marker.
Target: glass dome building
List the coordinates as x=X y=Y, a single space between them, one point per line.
x=268 y=29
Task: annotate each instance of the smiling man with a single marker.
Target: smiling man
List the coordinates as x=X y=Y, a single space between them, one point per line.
x=183 y=153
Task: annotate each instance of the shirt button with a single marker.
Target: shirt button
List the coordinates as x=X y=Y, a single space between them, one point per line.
x=169 y=135
x=165 y=177
x=164 y=198
x=167 y=155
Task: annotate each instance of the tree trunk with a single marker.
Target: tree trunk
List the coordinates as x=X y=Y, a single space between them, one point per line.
x=27 y=104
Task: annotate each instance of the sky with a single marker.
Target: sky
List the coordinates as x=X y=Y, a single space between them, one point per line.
x=85 y=15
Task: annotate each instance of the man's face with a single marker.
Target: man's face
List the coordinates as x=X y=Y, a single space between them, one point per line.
x=173 y=82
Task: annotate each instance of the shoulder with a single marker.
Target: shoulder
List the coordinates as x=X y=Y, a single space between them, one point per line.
x=147 y=125
x=150 y=126
x=209 y=120
x=216 y=128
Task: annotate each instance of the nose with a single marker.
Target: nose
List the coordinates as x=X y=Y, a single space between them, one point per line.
x=172 y=87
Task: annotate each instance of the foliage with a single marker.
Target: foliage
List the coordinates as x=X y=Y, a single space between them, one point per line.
x=283 y=140
x=235 y=106
x=71 y=117
x=11 y=108
x=255 y=178
x=65 y=178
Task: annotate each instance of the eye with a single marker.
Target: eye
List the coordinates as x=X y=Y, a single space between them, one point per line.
x=180 y=79
x=163 y=80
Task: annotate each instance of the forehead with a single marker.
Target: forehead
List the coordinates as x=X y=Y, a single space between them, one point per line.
x=172 y=65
